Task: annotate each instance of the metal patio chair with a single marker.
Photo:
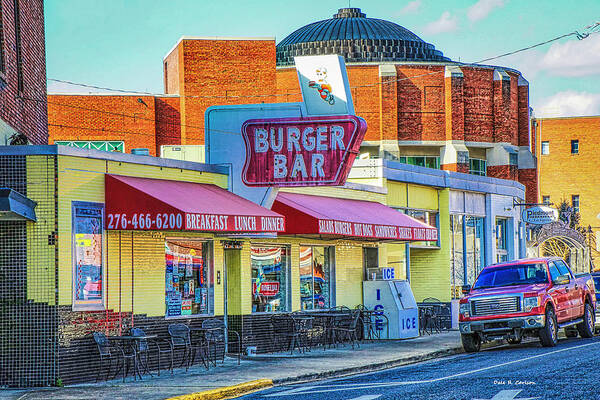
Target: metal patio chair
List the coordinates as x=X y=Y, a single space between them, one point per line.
x=283 y=325
x=109 y=351
x=345 y=328
x=180 y=338
x=162 y=346
x=214 y=333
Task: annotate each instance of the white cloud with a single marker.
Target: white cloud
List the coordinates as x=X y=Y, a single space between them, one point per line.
x=569 y=104
x=411 y=8
x=573 y=58
x=446 y=23
x=482 y=9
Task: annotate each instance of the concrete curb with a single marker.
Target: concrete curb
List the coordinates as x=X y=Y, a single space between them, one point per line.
x=368 y=368
x=227 y=392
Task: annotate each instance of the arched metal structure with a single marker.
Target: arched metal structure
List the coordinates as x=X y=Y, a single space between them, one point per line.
x=559 y=240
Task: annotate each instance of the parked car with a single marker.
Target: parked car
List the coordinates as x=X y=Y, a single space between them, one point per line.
x=596 y=277
x=528 y=297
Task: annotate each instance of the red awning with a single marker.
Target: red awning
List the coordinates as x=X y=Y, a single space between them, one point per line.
x=307 y=214
x=157 y=204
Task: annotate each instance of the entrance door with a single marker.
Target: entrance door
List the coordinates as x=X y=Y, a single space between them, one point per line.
x=233 y=282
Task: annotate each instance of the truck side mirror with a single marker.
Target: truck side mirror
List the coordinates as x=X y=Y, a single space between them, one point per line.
x=466 y=289
x=562 y=279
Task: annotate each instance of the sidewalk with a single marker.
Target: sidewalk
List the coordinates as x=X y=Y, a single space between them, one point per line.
x=278 y=367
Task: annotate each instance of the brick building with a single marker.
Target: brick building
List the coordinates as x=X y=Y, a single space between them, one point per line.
x=421 y=107
x=567 y=152
x=23 y=116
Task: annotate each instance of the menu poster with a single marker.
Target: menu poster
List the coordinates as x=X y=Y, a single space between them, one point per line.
x=87 y=255
x=191 y=288
x=174 y=305
x=186 y=289
x=186 y=307
x=169 y=282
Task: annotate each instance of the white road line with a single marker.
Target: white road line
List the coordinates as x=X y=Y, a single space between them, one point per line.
x=359 y=386
x=367 y=397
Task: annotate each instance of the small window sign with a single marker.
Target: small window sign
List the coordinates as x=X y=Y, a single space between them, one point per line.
x=388 y=274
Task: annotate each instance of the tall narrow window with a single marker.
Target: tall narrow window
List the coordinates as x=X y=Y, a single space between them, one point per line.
x=270 y=278
x=88 y=266
x=574 y=146
x=2 y=66
x=575 y=202
x=315 y=277
x=545 y=148
x=18 y=46
x=188 y=278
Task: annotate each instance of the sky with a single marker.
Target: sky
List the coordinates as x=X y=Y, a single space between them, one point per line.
x=120 y=44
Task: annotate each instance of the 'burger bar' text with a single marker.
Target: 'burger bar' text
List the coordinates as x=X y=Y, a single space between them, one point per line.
x=376 y=231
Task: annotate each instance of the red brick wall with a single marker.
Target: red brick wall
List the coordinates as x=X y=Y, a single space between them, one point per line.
x=171 y=71
x=503 y=172
x=364 y=81
x=454 y=108
x=103 y=117
x=523 y=116
x=421 y=113
x=168 y=122
x=528 y=177
x=26 y=111
x=217 y=71
x=479 y=104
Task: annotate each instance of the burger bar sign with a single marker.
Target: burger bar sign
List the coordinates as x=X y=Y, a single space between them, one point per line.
x=306 y=151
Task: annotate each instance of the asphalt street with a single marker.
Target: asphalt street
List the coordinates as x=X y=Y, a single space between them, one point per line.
x=525 y=371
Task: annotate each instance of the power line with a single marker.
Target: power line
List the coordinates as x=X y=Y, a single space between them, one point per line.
x=590 y=29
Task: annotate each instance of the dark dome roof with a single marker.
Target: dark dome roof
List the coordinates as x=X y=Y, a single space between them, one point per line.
x=358 y=38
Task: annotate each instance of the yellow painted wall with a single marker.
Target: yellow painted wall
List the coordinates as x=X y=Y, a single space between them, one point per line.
x=430 y=269
x=397 y=195
x=41 y=255
x=339 y=192
x=422 y=197
x=82 y=179
x=147 y=271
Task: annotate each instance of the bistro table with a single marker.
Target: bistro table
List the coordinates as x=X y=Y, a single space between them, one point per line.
x=330 y=318
x=133 y=343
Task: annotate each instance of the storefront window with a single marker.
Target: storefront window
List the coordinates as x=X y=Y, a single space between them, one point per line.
x=315 y=277
x=475 y=247
x=188 y=278
x=270 y=274
x=87 y=258
x=458 y=268
x=468 y=250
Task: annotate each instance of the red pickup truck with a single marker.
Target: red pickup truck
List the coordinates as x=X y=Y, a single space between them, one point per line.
x=528 y=297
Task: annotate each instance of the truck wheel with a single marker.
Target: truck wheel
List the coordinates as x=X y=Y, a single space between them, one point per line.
x=586 y=328
x=471 y=342
x=549 y=333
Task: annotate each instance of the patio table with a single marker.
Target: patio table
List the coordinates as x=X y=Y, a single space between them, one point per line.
x=132 y=342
